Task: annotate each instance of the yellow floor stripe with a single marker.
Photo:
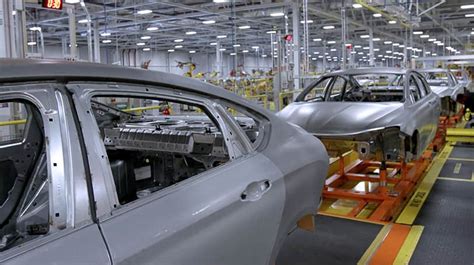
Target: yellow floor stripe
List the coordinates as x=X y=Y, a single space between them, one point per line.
x=410 y=212
x=456 y=179
x=365 y=259
x=408 y=247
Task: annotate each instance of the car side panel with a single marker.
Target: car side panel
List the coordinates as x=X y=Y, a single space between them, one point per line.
x=202 y=220
x=79 y=246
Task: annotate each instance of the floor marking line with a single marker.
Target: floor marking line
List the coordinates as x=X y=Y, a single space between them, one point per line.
x=390 y=247
x=457 y=168
x=409 y=246
x=374 y=246
x=457 y=179
x=413 y=207
x=461 y=159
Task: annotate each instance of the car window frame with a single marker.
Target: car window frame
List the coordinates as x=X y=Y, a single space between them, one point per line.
x=410 y=76
x=83 y=96
x=331 y=87
x=49 y=99
x=306 y=91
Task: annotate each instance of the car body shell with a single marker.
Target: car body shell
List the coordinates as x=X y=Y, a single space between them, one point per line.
x=364 y=121
x=202 y=220
x=452 y=88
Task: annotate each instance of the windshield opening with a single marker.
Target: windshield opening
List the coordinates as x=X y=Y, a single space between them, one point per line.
x=373 y=87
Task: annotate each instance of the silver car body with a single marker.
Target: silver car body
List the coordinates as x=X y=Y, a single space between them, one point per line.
x=449 y=87
x=201 y=220
x=385 y=130
x=462 y=76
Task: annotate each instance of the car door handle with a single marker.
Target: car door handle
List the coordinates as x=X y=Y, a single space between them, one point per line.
x=255 y=190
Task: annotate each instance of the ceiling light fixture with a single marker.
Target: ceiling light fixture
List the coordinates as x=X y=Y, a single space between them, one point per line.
x=106 y=41
x=152 y=28
x=356 y=6
x=392 y=22
x=328 y=27
x=178 y=40
x=144 y=12
x=417 y=32
x=316 y=40
x=146 y=49
x=377 y=15
x=141 y=44
x=207 y=22
x=145 y=37
x=192 y=51
x=221 y=36
x=467 y=6
x=178 y=46
x=277 y=14
x=170 y=50
x=244 y=27
x=190 y=33
x=271 y=32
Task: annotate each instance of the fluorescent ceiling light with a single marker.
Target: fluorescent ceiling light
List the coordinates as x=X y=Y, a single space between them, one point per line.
x=178 y=46
x=387 y=42
x=328 y=27
x=233 y=53
x=377 y=15
x=105 y=34
x=146 y=49
x=31 y=43
x=388 y=51
x=222 y=49
x=271 y=32
x=315 y=40
x=220 y=1
x=192 y=51
x=376 y=39
x=440 y=44
x=144 y=12
x=353 y=52
x=72 y=1
x=213 y=43
x=35 y=28
x=424 y=36
x=255 y=47
x=331 y=42
x=83 y=21
x=401 y=46
x=396 y=44
x=392 y=22
x=190 y=33
x=264 y=55
x=236 y=45
x=170 y=50
x=360 y=53
x=309 y=21
x=178 y=40
x=467 y=6
x=366 y=48
x=417 y=32
x=357 y=47
x=245 y=51
x=207 y=22
x=244 y=27
x=356 y=6
x=314 y=59
x=364 y=36
x=469 y=15
x=106 y=41
x=333 y=50
x=376 y=50
x=145 y=37
x=152 y=28
x=315 y=52
x=431 y=40
x=141 y=44
x=221 y=36
x=277 y=14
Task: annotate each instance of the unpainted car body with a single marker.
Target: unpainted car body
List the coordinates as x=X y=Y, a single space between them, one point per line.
x=76 y=207
x=443 y=82
x=378 y=118
x=462 y=76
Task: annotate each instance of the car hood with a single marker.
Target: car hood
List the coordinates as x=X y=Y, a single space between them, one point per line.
x=342 y=118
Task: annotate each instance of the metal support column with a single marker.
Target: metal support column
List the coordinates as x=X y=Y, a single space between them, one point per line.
x=20 y=29
x=371 y=48
x=6 y=27
x=296 y=48
x=344 y=34
x=72 y=31
x=96 y=43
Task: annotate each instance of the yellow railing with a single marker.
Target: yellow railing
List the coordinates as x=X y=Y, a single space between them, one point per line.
x=14 y=122
x=141 y=109
x=259 y=98
x=287 y=94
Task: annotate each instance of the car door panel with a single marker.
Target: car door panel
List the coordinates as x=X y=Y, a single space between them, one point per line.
x=205 y=217
x=79 y=246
